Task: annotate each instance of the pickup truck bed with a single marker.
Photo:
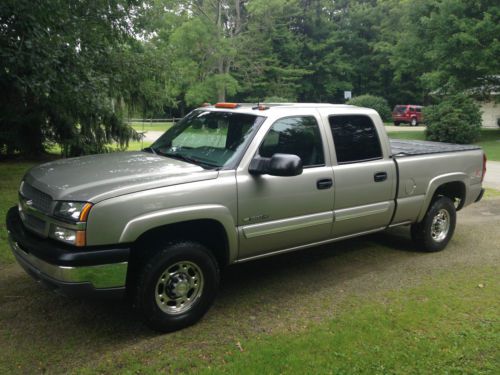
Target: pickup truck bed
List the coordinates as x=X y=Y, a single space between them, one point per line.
x=401 y=147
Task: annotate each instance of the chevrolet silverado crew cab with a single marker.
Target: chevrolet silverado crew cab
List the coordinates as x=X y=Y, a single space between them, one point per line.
x=231 y=183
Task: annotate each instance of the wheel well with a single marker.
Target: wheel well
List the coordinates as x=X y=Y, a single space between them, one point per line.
x=210 y=233
x=453 y=190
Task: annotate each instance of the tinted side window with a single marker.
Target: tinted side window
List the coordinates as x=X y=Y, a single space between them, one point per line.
x=355 y=138
x=419 y=109
x=295 y=135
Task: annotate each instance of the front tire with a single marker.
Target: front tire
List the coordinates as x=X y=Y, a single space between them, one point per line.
x=176 y=286
x=413 y=122
x=436 y=229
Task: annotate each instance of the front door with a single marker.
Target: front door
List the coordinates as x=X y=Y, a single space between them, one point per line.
x=279 y=213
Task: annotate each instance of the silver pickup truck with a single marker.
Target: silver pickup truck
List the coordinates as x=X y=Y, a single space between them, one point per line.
x=231 y=183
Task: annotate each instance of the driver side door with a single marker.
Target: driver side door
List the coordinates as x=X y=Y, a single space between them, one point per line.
x=279 y=213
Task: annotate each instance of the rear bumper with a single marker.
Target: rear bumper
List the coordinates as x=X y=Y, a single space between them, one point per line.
x=97 y=272
x=401 y=119
x=480 y=196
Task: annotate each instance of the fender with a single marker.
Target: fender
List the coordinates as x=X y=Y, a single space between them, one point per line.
x=221 y=214
x=435 y=183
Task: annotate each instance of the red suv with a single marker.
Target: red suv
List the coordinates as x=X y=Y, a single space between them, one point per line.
x=407 y=113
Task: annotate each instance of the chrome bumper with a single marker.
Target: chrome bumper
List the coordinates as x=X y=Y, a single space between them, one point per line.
x=98 y=276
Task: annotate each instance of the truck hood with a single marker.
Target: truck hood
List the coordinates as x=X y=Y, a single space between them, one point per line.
x=97 y=177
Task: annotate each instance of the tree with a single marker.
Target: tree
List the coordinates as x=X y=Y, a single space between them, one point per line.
x=59 y=76
x=455 y=119
x=450 y=45
x=375 y=102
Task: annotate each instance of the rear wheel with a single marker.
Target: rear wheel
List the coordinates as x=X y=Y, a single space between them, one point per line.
x=176 y=286
x=413 y=122
x=396 y=123
x=436 y=229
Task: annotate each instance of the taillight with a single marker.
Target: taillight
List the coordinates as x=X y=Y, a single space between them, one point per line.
x=485 y=159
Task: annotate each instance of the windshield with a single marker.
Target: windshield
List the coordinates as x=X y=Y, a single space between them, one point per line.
x=209 y=139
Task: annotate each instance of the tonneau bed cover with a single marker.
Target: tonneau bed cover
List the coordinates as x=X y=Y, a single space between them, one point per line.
x=401 y=147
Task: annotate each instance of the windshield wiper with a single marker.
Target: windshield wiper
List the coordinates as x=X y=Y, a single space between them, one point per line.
x=149 y=149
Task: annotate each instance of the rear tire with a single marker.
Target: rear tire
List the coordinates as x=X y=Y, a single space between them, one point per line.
x=396 y=123
x=436 y=229
x=176 y=286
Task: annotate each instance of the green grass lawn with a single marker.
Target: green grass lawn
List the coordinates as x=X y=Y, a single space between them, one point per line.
x=137 y=146
x=12 y=173
x=151 y=126
x=448 y=326
x=489 y=141
x=132 y=146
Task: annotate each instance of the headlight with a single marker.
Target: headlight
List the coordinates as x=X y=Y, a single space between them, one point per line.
x=70 y=236
x=76 y=213
x=73 y=211
x=65 y=234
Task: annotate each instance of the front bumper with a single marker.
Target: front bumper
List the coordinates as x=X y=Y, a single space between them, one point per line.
x=91 y=271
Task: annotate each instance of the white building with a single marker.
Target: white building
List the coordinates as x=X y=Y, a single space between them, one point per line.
x=490 y=114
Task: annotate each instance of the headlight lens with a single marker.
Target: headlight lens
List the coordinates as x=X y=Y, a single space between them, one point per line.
x=70 y=236
x=73 y=211
x=65 y=234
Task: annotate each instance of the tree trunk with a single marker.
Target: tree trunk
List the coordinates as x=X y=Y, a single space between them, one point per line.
x=221 y=89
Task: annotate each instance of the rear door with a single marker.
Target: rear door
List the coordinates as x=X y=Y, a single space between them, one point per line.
x=365 y=176
x=419 y=114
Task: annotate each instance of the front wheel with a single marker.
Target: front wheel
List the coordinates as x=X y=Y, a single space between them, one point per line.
x=176 y=286
x=436 y=229
x=414 y=122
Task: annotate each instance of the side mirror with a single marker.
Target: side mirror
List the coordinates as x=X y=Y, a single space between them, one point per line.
x=277 y=165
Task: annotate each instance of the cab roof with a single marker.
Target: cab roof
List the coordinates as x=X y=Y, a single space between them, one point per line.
x=262 y=108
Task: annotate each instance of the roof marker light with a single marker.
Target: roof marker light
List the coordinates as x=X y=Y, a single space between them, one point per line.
x=227 y=105
x=261 y=107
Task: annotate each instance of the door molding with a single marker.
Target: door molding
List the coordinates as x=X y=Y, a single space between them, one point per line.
x=289 y=224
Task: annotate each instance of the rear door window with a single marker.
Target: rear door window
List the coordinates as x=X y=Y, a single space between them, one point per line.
x=355 y=138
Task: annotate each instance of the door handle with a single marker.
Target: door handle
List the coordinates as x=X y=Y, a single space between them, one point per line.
x=380 y=176
x=325 y=183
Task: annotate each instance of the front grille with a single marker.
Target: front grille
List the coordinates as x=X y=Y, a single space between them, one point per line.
x=34 y=223
x=39 y=200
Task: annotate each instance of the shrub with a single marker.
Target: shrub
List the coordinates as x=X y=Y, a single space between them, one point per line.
x=375 y=102
x=456 y=119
